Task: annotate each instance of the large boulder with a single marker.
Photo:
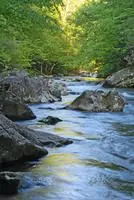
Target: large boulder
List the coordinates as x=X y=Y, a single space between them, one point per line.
x=123 y=78
x=98 y=101
x=17 y=111
x=9 y=183
x=21 y=87
x=14 y=147
x=19 y=143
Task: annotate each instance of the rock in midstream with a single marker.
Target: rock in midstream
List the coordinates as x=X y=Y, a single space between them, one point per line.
x=98 y=101
x=50 y=120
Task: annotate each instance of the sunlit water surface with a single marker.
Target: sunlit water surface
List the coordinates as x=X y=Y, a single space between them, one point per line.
x=99 y=165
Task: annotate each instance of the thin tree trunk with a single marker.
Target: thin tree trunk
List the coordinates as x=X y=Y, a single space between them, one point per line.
x=41 y=69
x=51 y=70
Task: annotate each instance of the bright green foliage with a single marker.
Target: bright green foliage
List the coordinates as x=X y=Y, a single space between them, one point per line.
x=106 y=33
x=57 y=36
x=29 y=29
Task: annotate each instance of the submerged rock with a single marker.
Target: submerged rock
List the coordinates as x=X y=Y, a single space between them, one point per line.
x=50 y=120
x=17 y=111
x=9 y=183
x=98 y=101
x=123 y=78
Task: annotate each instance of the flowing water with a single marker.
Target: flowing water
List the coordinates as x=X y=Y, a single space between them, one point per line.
x=99 y=165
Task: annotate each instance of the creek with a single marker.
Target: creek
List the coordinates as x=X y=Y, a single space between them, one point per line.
x=99 y=165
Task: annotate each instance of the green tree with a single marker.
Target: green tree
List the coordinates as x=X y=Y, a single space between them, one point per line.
x=106 y=34
x=28 y=29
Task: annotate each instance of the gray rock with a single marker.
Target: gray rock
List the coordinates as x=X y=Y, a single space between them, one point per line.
x=19 y=143
x=14 y=147
x=50 y=120
x=98 y=101
x=9 y=183
x=123 y=78
x=18 y=73
x=21 y=87
x=17 y=111
x=58 y=88
x=43 y=139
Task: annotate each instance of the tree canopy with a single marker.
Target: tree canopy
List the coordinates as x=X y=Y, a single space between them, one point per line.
x=106 y=34
x=57 y=36
x=31 y=29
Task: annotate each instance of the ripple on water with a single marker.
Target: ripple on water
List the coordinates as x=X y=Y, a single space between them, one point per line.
x=124 y=129
x=99 y=165
x=105 y=165
x=121 y=185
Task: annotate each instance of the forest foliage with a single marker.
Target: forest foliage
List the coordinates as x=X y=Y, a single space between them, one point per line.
x=107 y=34
x=61 y=36
x=31 y=34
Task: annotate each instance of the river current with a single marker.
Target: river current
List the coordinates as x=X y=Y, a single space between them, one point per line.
x=99 y=165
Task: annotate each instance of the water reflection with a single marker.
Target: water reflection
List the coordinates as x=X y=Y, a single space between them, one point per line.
x=64 y=130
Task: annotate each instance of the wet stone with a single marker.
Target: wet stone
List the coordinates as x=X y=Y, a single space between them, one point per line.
x=50 y=120
x=9 y=183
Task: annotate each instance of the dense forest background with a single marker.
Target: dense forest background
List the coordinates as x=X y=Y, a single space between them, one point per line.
x=55 y=36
